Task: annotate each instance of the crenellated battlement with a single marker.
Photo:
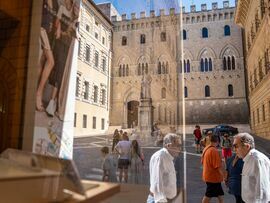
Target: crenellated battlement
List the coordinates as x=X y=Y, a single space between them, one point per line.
x=172 y=11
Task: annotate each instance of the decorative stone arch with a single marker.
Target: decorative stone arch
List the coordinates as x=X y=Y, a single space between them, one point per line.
x=162 y=65
x=131 y=94
x=143 y=64
x=188 y=55
x=206 y=52
x=123 y=63
x=8 y=86
x=229 y=50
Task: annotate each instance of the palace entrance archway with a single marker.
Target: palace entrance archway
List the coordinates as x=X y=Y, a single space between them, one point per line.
x=132 y=107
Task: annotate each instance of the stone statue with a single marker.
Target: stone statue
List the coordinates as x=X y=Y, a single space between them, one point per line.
x=146 y=86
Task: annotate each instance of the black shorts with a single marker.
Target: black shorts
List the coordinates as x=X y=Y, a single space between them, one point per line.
x=214 y=190
x=123 y=163
x=197 y=141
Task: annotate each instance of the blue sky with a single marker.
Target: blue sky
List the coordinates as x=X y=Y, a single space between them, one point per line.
x=129 y=6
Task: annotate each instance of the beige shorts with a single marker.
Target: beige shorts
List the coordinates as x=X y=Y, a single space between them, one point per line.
x=45 y=44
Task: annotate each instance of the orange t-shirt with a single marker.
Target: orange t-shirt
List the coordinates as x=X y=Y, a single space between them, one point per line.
x=211 y=161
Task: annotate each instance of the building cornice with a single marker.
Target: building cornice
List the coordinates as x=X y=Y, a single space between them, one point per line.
x=241 y=12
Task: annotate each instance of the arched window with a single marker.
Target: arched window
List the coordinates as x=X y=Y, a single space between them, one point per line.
x=202 y=65
x=233 y=63
x=188 y=66
x=146 y=68
x=143 y=69
x=184 y=34
x=139 y=69
x=206 y=65
x=163 y=68
x=186 y=92
x=124 y=40
x=227 y=30
x=224 y=64
x=159 y=67
x=142 y=38
x=163 y=93
x=207 y=91
x=124 y=70
x=163 y=36
x=120 y=71
x=127 y=71
x=210 y=64
x=229 y=63
x=230 y=90
x=185 y=66
x=204 y=32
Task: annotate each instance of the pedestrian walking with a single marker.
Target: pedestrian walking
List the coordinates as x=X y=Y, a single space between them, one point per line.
x=123 y=149
x=234 y=166
x=109 y=166
x=116 y=139
x=256 y=170
x=162 y=172
x=212 y=172
x=226 y=145
x=136 y=162
x=197 y=136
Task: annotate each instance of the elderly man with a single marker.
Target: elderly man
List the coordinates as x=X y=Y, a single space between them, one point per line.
x=162 y=172
x=256 y=170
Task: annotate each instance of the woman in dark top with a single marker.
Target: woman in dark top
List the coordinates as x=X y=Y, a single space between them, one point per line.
x=234 y=166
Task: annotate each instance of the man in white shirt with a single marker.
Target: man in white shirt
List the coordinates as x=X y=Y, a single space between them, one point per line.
x=256 y=170
x=162 y=171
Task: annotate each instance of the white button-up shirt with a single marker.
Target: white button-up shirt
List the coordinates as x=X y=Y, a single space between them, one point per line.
x=256 y=178
x=162 y=176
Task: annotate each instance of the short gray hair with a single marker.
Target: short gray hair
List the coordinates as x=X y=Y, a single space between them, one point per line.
x=170 y=138
x=246 y=138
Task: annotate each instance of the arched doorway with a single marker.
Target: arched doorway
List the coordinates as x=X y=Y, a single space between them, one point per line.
x=132 y=113
x=3 y=117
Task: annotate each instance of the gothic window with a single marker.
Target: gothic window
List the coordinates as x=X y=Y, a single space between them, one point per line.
x=163 y=93
x=163 y=68
x=202 y=65
x=229 y=63
x=185 y=66
x=142 y=38
x=127 y=70
x=163 y=36
x=186 y=92
x=230 y=90
x=210 y=64
x=146 y=68
x=143 y=71
x=188 y=66
x=159 y=67
x=204 y=32
x=184 y=34
x=124 y=70
x=207 y=91
x=139 y=69
x=120 y=71
x=224 y=63
x=206 y=65
x=124 y=40
x=227 y=30
x=233 y=63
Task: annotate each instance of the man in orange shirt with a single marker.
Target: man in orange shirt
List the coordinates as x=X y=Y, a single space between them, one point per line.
x=212 y=172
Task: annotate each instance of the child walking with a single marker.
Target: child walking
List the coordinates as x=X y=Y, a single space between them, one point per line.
x=109 y=166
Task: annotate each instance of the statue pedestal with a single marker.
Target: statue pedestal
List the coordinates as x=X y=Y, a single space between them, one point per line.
x=145 y=121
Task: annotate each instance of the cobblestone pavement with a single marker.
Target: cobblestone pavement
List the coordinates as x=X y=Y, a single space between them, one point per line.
x=88 y=160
